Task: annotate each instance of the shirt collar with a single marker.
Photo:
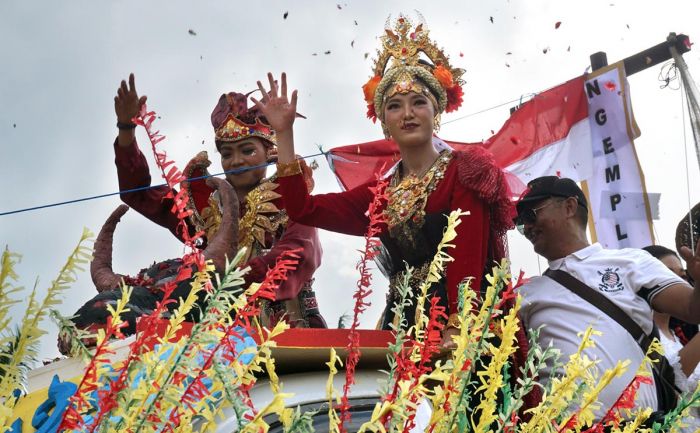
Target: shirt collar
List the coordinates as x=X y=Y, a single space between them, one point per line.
x=579 y=255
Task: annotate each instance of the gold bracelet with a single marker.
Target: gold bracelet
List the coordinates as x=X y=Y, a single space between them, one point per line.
x=453 y=321
x=288 y=169
x=285 y=169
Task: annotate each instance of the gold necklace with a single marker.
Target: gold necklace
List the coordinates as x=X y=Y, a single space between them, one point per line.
x=408 y=196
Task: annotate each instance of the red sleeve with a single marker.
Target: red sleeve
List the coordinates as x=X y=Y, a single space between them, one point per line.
x=295 y=236
x=342 y=212
x=470 y=250
x=132 y=170
x=482 y=190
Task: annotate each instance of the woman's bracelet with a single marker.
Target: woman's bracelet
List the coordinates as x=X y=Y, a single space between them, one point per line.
x=285 y=169
x=126 y=126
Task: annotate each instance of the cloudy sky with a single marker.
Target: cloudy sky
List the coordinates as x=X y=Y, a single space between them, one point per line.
x=62 y=63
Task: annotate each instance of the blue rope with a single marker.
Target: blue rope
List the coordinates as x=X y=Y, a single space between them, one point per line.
x=144 y=188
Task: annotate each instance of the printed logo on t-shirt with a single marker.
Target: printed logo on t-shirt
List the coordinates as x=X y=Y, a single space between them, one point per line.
x=610 y=280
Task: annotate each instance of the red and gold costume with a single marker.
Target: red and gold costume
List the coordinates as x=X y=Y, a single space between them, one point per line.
x=264 y=228
x=467 y=180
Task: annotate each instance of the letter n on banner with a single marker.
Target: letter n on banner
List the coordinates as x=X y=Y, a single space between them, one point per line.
x=619 y=205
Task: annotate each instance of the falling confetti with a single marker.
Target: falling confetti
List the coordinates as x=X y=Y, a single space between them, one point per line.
x=514 y=140
x=507 y=65
x=366 y=55
x=492 y=132
x=557 y=24
x=339 y=7
x=628 y=26
x=568 y=49
x=202 y=141
x=201 y=57
x=315 y=54
x=192 y=32
x=491 y=19
x=461 y=54
x=558 y=173
x=286 y=14
x=544 y=50
x=352 y=44
x=327 y=52
x=508 y=53
x=355 y=22
x=14 y=125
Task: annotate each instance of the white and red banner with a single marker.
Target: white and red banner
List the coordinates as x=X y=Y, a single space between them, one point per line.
x=564 y=131
x=619 y=203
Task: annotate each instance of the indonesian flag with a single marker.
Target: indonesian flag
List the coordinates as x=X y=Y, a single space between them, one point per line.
x=548 y=135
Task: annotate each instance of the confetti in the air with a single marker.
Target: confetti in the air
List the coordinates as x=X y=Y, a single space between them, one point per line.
x=286 y=14
x=491 y=19
x=461 y=54
x=514 y=140
x=568 y=49
x=557 y=24
x=352 y=44
x=14 y=125
x=355 y=22
x=545 y=50
x=508 y=53
x=339 y=7
x=507 y=65
x=192 y=32
x=327 y=52
x=366 y=55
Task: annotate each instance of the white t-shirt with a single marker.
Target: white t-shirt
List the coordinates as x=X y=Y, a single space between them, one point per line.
x=630 y=278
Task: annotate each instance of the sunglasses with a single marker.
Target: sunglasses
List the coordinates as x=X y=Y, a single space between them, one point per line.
x=529 y=215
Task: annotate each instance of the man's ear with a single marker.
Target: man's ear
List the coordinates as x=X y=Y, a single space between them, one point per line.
x=571 y=204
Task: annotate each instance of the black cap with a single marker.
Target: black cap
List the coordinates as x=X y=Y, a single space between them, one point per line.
x=551 y=186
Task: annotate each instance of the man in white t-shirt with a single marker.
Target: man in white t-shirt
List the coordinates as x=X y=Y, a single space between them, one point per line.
x=553 y=216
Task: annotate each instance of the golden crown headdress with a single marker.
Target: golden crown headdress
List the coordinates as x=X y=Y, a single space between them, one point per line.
x=403 y=45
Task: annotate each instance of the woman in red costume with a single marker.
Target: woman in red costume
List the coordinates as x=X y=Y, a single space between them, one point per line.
x=245 y=143
x=408 y=95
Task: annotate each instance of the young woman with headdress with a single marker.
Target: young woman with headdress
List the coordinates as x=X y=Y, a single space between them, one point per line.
x=408 y=95
x=245 y=143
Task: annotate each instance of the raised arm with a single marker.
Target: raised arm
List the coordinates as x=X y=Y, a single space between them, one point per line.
x=126 y=105
x=132 y=168
x=339 y=212
x=680 y=299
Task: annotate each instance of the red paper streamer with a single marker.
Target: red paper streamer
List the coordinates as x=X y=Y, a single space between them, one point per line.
x=376 y=220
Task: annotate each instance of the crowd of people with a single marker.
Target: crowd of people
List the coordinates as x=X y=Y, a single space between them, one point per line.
x=407 y=94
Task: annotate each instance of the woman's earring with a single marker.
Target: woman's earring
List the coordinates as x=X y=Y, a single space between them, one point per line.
x=436 y=123
x=385 y=130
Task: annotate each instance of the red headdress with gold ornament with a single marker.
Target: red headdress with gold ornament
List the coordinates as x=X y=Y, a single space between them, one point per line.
x=400 y=69
x=234 y=121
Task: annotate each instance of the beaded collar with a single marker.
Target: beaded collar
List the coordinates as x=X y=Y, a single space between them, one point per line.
x=408 y=196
